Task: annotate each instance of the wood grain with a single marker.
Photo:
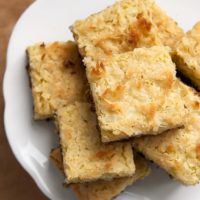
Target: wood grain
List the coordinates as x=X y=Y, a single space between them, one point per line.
x=15 y=183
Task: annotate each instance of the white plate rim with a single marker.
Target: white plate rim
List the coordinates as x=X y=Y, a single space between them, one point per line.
x=7 y=130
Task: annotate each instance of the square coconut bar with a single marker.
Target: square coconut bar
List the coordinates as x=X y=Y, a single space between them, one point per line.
x=85 y=158
x=135 y=93
x=101 y=189
x=57 y=77
x=125 y=25
x=177 y=151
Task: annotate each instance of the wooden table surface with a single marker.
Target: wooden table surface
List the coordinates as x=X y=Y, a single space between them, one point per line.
x=15 y=183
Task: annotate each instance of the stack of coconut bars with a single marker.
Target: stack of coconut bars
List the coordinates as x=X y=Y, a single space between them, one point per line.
x=114 y=93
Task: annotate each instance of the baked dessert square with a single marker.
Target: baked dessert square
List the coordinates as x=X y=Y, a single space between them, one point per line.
x=57 y=77
x=125 y=25
x=187 y=55
x=106 y=190
x=135 y=93
x=177 y=151
x=85 y=158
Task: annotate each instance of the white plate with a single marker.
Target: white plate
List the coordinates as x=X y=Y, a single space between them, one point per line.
x=31 y=142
